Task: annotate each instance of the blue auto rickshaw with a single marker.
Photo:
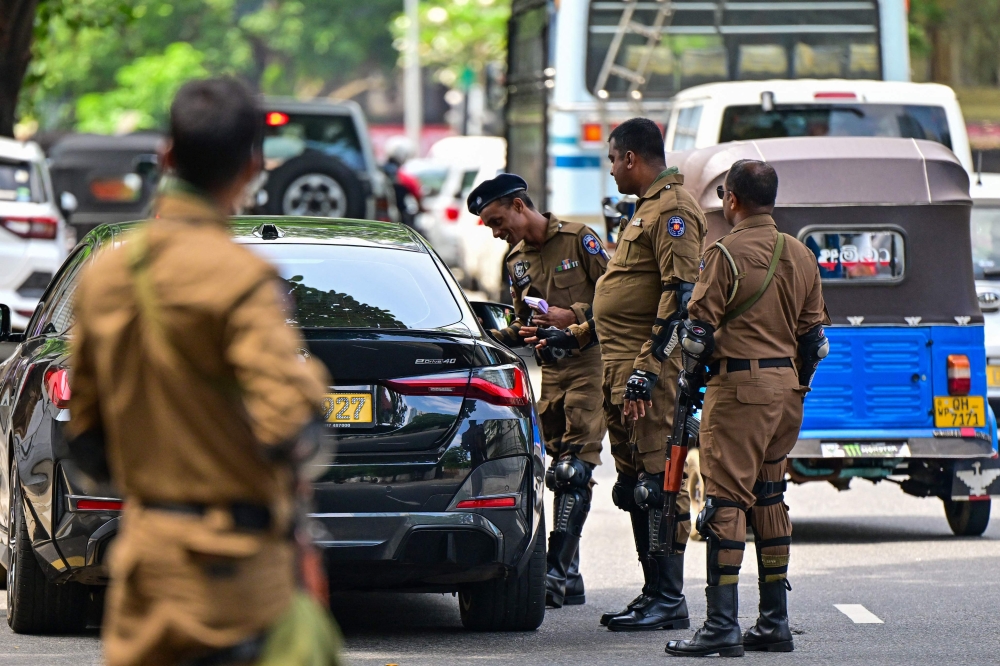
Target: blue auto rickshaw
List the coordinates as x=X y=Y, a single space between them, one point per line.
x=902 y=394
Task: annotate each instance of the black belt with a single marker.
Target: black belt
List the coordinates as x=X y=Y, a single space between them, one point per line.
x=246 y=516
x=741 y=364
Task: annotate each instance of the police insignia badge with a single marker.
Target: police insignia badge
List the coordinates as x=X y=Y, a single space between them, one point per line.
x=675 y=226
x=591 y=244
x=520 y=268
x=701 y=266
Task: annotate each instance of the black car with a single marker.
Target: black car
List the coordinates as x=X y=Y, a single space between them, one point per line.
x=436 y=484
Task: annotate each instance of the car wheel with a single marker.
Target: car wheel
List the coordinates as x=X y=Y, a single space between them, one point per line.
x=513 y=603
x=36 y=605
x=316 y=185
x=967 y=518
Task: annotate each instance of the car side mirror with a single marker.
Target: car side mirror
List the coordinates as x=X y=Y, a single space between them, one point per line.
x=6 y=335
x=493 y=315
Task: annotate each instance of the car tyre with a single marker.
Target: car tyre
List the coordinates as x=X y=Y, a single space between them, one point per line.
x=967 y=518
x=315 y=184
x=512 y=603
x=36 y=605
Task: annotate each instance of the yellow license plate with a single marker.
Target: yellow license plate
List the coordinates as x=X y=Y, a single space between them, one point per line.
x=959 y=412
x=345 y=409
x=993 y=375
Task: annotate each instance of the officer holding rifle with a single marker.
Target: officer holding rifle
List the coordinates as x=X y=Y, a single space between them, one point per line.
x=756 y=321
x=554 y=266
x=638 y=303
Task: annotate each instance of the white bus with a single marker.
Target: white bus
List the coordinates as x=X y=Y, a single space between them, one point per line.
x=577 y=68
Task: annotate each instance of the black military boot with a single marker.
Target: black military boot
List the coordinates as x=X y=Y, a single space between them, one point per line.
x=575 y=593
x=721 y=632
x=666 y=608
x=640 y=532
x=771 y=633
x=563 y=547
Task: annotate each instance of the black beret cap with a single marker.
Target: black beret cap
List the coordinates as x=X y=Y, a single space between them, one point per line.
x=493 y=189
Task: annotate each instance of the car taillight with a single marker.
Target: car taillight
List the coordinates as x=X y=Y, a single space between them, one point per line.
x=99 y=505
x=31 y=227
x=451 y=213
x=499 y=385
x=835 y=95
x=276 y=119
x=959 y=374
x=590 y=132
x=57 y=384
x=488 y=503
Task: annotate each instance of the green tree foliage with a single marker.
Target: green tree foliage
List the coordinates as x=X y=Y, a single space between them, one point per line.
x=458 y=36
x=287 y=47
x=145 y=89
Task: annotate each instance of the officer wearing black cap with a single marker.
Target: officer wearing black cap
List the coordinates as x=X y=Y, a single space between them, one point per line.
x=559 y=263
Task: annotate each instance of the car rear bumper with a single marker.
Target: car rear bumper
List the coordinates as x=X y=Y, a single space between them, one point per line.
x=892 y=445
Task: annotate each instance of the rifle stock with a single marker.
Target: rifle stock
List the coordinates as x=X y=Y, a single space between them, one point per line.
x=676 y=456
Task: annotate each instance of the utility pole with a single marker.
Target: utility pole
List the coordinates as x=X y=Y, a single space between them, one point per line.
x=413 y=110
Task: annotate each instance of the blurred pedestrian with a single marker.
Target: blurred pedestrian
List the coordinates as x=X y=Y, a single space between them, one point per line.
x=185 y=373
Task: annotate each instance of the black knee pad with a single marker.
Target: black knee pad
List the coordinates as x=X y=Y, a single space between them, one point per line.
x=572 y=506
x=718 y=574
x=622 y=493
x=648 y=492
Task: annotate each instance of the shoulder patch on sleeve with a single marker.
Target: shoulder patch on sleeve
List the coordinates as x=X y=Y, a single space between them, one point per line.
x=675 y=226
x=591 y=244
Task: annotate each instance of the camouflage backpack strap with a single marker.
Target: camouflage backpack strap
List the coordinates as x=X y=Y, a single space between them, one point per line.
x=149 y=312
x=747 y=304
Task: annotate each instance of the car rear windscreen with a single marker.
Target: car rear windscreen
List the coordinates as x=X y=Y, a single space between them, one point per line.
x=339 y=286
x=748 y=122
x=20 y=181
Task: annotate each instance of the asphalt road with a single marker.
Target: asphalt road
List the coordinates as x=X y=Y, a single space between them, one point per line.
x=937 y=596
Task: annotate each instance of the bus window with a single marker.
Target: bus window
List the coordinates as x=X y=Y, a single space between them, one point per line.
x=687 y=128
x=703 y=42
x=856 y=255
x=743 y=123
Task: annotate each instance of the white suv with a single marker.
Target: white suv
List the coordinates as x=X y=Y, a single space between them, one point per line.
x=32 y=230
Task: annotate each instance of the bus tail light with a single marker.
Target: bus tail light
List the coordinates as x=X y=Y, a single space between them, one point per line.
x=959 y=374
x=591 y=132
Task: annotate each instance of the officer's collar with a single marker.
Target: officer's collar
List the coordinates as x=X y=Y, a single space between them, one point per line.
x=179 y=199
x=668 y=176
x=762 y=220
x=555 y=224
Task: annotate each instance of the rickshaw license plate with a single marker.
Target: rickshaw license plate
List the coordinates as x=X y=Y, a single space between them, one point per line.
x=993 y=375
x=959 y=412
x=348 y=409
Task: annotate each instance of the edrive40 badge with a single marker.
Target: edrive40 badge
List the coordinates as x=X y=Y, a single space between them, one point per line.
x=675 y=226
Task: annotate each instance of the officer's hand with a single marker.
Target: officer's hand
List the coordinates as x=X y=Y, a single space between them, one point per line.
x=558 y=317
x=557 y=339
x=639 y=393
x=530 y=335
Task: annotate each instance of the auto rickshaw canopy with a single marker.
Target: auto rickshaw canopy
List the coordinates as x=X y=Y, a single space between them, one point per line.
x=904 y=198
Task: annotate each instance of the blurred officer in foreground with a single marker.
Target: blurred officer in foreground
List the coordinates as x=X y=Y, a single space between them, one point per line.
x=757 y=307
x=186 y=374
x=643 y=292
x=558 y=262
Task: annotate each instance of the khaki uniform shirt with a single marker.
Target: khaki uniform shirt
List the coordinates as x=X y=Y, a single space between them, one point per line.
x=564 y=271
x=172 y=436
x=659 y=247
x=790 y=306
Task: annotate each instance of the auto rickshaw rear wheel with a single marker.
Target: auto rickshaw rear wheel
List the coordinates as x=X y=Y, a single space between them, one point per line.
x=967 y=518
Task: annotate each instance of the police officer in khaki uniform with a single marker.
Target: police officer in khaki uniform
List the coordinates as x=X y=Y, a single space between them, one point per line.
x=644 y=290
x=559 y=262
x=183 y=365
x=756 y=319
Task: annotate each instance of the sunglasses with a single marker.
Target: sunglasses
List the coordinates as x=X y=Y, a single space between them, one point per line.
x=721 y=192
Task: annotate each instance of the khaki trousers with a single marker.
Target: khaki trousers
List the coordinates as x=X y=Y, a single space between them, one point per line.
x=750 y=423
x=570 y=407
x=640 y=446
x=183 y=586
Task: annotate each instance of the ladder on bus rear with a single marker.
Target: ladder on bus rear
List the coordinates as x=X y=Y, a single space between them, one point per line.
x=637 y=78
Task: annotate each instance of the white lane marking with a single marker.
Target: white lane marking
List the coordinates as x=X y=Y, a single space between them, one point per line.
x=858 y=614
